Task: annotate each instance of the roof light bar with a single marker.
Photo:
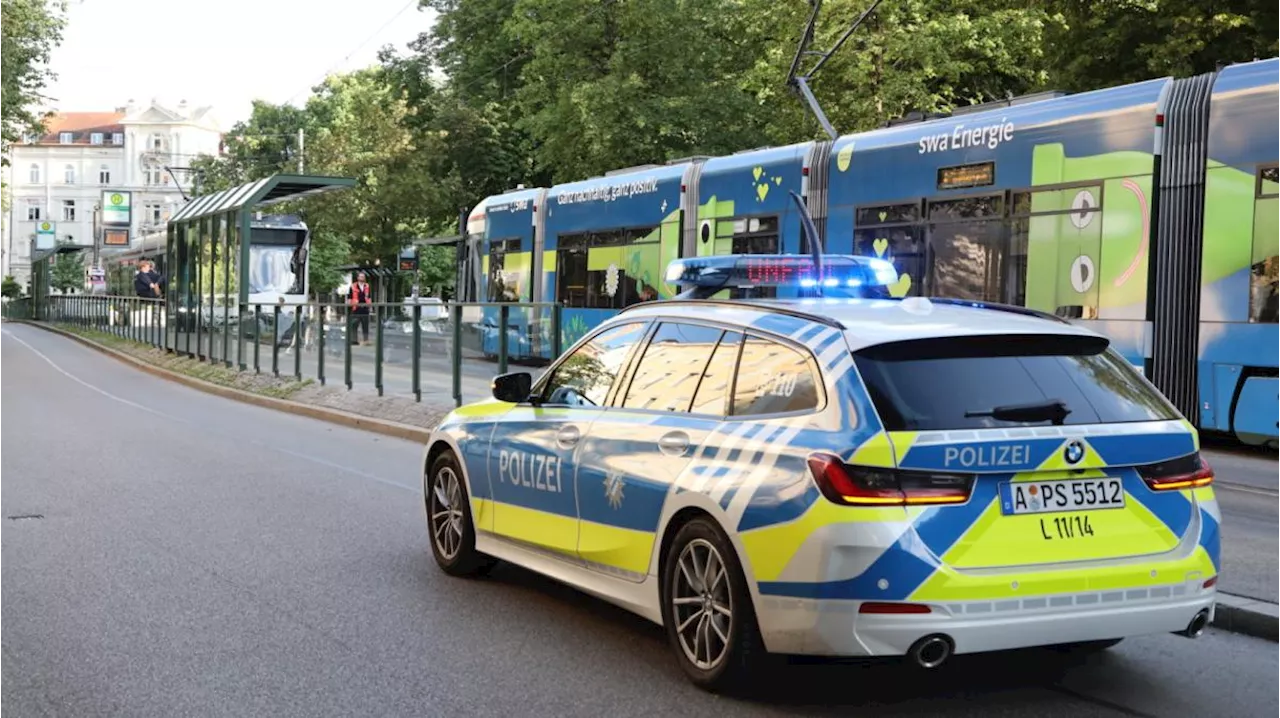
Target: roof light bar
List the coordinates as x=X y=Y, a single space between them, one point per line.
x=701 y=277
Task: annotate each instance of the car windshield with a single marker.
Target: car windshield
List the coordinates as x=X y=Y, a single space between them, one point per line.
x=1001 y=381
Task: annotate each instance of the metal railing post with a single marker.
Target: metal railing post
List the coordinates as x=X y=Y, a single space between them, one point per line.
x=324 y=311
x=275 y=340
x=456 y=354
x=297 y=343
x=556 y=348
x=257 y=338
x=350 y=337
x=377 y=349
x=504 y=321
x=417 y=352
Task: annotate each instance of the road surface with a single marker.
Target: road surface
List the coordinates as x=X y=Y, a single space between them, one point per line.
x=168 y=552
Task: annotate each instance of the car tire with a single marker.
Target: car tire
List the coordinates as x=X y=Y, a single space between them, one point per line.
x=695 y=629
x=449 y=526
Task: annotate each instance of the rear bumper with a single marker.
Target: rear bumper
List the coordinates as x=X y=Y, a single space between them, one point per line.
x=835 y=628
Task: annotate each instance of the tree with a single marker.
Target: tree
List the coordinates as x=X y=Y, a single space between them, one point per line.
x=263 y=145
x=30 y=29
x=437 y=269
x=360 y=131
x=1113 y=42
x=9 y=288
x=67 y=273
x=328 y=252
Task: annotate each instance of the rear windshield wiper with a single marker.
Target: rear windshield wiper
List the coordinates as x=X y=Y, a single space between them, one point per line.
x=1054 y=410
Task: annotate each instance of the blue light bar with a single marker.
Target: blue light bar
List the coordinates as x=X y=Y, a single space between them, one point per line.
x=868 y=276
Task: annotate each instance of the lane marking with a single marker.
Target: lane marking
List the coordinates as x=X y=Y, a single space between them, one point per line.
x=237 y=439
x=1246 y=489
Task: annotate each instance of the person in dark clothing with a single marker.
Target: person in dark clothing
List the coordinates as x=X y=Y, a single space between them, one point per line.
x=147 y=283
x=361 y=300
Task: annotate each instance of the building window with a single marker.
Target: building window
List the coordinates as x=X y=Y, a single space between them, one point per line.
x=154 y=175
x=68 y=210
x=64 y=138
x=95 y=138
x=117 y=138
x=34 y=175
x=152 y=211
x=104 y=175
x=69 y=174
x=33 y=210
x=157 y=142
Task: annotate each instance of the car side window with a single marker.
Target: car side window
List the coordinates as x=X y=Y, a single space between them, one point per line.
x=668 y=373
x=773 y=379
x=713 y=392
x=585 y=376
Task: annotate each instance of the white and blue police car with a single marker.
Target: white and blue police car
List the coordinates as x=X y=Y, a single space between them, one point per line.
x=837 y=476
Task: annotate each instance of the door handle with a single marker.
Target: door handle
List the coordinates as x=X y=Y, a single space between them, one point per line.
x=568 y=436
x=674 y=444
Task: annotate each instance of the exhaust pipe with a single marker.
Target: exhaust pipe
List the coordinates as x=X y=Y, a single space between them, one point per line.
x=1196 y=628
x=931 y=651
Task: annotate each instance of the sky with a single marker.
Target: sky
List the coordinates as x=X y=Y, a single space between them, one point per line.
x=223 y=53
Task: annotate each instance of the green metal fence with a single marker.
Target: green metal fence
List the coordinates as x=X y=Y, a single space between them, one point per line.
x=443 y=350
x=21 y=308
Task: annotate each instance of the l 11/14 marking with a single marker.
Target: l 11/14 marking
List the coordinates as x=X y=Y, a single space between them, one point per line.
x=1065 y=527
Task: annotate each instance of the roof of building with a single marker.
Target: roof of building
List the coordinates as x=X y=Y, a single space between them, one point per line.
x=870 y=322
x=81 y=125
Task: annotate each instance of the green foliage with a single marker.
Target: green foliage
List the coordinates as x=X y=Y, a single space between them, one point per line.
x=437 y=269
x=30 y=29
x=329 y=251
x=543 y=91
x=10 y=288
x=1113 y=42
x=67 y=272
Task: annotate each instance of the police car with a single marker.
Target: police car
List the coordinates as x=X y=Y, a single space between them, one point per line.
x=837 y=476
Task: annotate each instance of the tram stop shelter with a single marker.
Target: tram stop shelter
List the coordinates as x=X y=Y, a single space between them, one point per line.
x=208 y=262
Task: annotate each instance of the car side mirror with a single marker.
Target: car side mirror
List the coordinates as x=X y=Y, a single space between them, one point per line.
x=513 y=387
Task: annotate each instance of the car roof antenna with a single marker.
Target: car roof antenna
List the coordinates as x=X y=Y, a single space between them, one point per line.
x=811 y=238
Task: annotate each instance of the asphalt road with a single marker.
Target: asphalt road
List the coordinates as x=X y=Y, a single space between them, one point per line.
x=1245 y=483
x=197 y=556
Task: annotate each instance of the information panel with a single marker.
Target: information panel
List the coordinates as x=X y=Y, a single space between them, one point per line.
x=979 y=175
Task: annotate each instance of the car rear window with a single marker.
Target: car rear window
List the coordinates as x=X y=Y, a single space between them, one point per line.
x=937 y=384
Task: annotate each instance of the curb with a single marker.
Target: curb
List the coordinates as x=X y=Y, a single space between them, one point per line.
x=1248 y=616
x=364 y=423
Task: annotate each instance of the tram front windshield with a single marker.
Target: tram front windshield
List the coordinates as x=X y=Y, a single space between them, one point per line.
x=271 y=263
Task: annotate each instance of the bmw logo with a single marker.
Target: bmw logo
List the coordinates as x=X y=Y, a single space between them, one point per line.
x=1074 y=452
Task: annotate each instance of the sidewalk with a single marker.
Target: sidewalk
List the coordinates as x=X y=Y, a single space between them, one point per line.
x=1246 y=492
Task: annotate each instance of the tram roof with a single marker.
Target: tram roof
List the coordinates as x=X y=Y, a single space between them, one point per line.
x=269 y=190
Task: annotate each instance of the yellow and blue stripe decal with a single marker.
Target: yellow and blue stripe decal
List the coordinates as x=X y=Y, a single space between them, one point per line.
x=1153 y=521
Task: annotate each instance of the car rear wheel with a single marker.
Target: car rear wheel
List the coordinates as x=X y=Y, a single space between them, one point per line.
x=706 y=609
x=453 y=536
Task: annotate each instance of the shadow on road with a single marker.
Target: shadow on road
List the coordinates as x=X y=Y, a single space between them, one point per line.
x=797 y=685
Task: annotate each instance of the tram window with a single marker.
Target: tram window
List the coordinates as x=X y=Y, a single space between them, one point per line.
x=1268 y=182
x=969 y=247
x=891 y=232
x=754 y=235
x=1266 y=247
x=503 y=285
x=594 y=269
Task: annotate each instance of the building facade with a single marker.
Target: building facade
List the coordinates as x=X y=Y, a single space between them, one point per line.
x=59 y=178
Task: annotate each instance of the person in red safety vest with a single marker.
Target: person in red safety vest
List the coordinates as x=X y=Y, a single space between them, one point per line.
x=361 y=299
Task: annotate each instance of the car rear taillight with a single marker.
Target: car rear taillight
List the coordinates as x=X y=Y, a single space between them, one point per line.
x=1186 y=472
x=868 y=486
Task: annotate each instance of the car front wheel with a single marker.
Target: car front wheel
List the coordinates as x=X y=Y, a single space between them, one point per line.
x=453 y=536
x=707 y=610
